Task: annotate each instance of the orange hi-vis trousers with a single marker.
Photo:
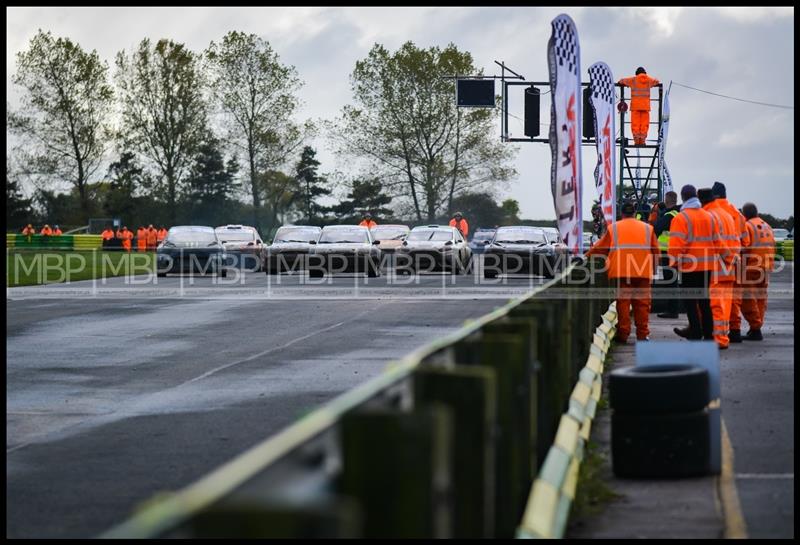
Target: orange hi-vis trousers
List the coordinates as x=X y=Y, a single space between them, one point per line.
x=736 y=306
x=633 y=292
x=141 y=244
x=640 y=125
x=721 y=296
x=754 y=298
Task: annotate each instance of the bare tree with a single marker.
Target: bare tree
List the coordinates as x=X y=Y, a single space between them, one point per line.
x=255 y=93
x=163 y=110
x=406 y=125
x=64 y=116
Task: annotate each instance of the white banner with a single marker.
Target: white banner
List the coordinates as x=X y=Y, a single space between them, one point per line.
x=564 y=62
x=666 y=179
x=603 y=104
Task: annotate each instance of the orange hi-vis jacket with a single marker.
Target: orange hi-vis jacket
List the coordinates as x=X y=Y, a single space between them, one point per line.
x=29 y=230
x=694 y=241
x=141 y=238
x=760 y=254
x=46 y=231
x=631 y=246
x=152 y=237
x=738 y=219
x=107 y=234
x=462 y=226
x=725 y=269
x=640 y=90
x=162 y=234
x=367 y=223
x=58 y=231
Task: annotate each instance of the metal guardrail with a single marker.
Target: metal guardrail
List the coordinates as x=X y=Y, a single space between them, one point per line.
x=445 y=443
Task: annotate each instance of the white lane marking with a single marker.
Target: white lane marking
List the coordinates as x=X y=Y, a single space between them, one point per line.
x=12 y=449
x=764 y=475
x=273 y=349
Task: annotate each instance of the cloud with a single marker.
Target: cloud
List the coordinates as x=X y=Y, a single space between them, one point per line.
x=742 y=52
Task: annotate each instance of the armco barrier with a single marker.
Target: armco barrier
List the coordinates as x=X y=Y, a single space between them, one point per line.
x=446 y=442
x=58 y=242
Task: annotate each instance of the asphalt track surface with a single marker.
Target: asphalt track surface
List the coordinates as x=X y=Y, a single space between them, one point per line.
x=121 y=389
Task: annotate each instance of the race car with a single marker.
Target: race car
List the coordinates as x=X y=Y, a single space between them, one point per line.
x=431 y=247
x=290 y=248
x=243 y=245
x=523 y=249
x=191 y=248
x=345 y=248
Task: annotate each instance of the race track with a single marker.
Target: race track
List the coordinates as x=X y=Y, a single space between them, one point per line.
x=120 y=389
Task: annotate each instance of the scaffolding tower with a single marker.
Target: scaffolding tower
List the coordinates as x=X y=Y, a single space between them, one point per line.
x=640 y=166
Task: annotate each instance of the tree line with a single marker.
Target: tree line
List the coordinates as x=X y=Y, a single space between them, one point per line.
x=169 y=135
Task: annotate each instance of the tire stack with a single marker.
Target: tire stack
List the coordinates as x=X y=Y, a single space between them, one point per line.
x=660 y=421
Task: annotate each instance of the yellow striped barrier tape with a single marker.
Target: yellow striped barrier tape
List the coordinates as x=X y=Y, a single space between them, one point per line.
x=553 y=491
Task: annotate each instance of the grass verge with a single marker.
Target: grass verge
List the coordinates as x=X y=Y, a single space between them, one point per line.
x=33 y=267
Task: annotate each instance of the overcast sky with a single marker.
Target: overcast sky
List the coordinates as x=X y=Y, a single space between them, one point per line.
x=741 y=52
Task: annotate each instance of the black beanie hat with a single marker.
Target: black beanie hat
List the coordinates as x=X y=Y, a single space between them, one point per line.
x=719 y=189
x=641 y=70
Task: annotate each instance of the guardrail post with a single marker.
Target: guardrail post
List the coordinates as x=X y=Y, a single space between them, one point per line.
x=526 y=328
x=471 y=394
x=553 y=353
x=398 y=467
x=506 y=354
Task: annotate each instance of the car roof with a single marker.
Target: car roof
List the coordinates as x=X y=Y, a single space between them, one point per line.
x=345 y=227
x=196 y=228
x=439 y=227
x=390 y=226
x=300 y=227
x=235 y=228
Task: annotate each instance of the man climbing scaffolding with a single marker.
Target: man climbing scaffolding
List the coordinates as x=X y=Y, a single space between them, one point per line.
x=640 y=85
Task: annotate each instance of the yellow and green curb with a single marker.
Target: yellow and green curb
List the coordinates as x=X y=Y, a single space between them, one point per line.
x=553 y=491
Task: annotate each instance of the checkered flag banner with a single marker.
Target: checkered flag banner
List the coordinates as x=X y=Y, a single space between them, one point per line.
x=564 y=63
x=602 y=99
x=666 y=179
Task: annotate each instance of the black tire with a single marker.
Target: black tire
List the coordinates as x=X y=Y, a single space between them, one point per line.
x=315 y=273
x=660 y=445
x=658 y=389
x=161 y=274
x=489 y=274
x=223 y=273
x=373 y=271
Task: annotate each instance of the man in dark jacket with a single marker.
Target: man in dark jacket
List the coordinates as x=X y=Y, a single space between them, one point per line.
x=665 y=216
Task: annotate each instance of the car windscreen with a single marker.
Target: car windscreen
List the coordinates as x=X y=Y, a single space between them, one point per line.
x=333 y=236
x=296 y=234
x=520 y=236
x=780 y=233
x=389 y=234
x=433 y=235
x=483 y=235
x=238 y=235
x=191 y=236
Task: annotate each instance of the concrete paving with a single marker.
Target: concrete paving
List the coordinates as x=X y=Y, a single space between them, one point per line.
x=114 y=397
x=758 y=411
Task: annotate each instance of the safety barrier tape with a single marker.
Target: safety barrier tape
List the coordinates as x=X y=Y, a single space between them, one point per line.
x=553 y=491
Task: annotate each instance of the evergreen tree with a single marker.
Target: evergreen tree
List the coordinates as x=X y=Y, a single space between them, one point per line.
x=210 y=183
x=365 y=196
x=18 y=208
x=311 y=184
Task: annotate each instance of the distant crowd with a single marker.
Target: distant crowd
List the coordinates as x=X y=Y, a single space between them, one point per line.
x=145 y=240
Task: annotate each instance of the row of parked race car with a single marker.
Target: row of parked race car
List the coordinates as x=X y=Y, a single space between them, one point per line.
x=352 y=248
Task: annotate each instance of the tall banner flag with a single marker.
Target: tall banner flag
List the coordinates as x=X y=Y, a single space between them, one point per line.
x=666 y=179
x=602 y=100
x=564 y=62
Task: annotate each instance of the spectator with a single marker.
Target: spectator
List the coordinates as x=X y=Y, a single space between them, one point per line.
x=152 y=237
x=368 y=221
x=460 y=223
